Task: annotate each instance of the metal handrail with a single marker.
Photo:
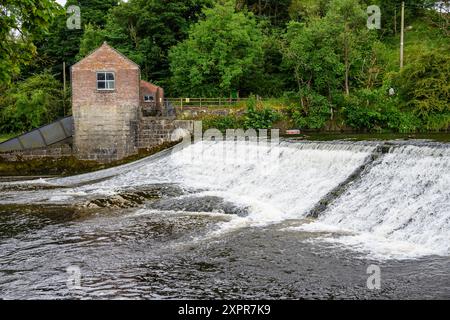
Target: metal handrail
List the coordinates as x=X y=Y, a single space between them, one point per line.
x=205 y=102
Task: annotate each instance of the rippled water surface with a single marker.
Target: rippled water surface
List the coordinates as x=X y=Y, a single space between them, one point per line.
x=186 y=226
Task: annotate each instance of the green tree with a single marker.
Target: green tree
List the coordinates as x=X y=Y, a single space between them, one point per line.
x=440 y=17
x=349 y=18
x=275 y=11
x=270 y=79
x=92 y=38
x=145 y=31
x=314 y=111
x=94 y=12
x=310 y=52
x=391 y=9
x=62 y=44
x=424 y=88
x=222 y=50
x=20 y=22
x=305 y=10
x=31 y=103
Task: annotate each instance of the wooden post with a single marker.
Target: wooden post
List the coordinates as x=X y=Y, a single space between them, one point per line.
x=402 y=35
x=395 y=20
x=64 y=88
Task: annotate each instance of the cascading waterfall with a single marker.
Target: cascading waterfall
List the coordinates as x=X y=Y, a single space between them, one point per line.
x=274 y=183
x=287 y=178
x=398 y=207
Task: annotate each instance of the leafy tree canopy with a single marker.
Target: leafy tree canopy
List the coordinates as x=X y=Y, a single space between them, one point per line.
x=21 y=21
x=222 y=50
x=33 y=102
x=145 y=31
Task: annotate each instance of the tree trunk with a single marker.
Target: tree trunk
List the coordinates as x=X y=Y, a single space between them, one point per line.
x=395 y=21
x=347 y=64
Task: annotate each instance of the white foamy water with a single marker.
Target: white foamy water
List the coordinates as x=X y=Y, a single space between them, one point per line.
x=275 y=181
x=400 y=208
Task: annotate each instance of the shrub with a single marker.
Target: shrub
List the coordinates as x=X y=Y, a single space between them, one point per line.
x=310 y=110
x=259 y=116
x=374 y=109
x=424 y=87
x=222 y=123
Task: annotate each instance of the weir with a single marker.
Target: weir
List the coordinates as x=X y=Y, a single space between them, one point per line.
x=356 y=174
x=400 y=204
x=394 y=193
x=342 y=187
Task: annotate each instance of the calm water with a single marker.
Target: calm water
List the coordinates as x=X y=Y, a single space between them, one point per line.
x=189 y=226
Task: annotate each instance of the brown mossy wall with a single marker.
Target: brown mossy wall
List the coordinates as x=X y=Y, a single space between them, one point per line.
x=68 y=165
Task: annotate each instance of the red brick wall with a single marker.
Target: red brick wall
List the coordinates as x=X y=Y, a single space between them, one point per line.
x=105 y=120
x=158 y=93
x=84 y=80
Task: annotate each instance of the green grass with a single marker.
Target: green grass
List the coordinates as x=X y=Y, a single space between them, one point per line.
x=6 y=136
x=421 y=38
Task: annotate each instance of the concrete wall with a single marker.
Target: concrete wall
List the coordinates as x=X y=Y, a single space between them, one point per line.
x=105 y=121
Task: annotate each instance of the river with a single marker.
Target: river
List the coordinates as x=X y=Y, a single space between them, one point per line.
x=234 y=220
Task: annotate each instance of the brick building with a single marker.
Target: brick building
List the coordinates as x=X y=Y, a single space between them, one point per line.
x=152 y=99
x=110 y=105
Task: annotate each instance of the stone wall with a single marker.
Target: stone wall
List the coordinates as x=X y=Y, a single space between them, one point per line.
x=107 y=135
x=149 y=132
x=154 y=131
x=55 y=152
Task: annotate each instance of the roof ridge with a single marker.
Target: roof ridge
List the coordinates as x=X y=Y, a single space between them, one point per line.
x=105 y=44
x=120 y=53
x=150 y=83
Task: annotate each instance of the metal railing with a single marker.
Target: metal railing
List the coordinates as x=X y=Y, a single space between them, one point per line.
x=206 y=102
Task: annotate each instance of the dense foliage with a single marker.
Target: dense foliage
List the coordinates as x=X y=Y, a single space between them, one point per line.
x=222 y=49
x=259 y=116
x=21 y=23
x=317 y=57
x=31 y=103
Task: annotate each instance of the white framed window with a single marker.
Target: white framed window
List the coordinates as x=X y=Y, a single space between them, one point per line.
x=106 y=80
x=149 y=98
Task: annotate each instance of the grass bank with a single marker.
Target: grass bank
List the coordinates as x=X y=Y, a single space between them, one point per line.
x=6 y=136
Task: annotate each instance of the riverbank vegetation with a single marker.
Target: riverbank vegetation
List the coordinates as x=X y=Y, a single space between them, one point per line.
x=315 y=62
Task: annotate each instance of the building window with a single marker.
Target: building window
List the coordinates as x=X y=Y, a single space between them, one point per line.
x=105 y=81
x=149 y=98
